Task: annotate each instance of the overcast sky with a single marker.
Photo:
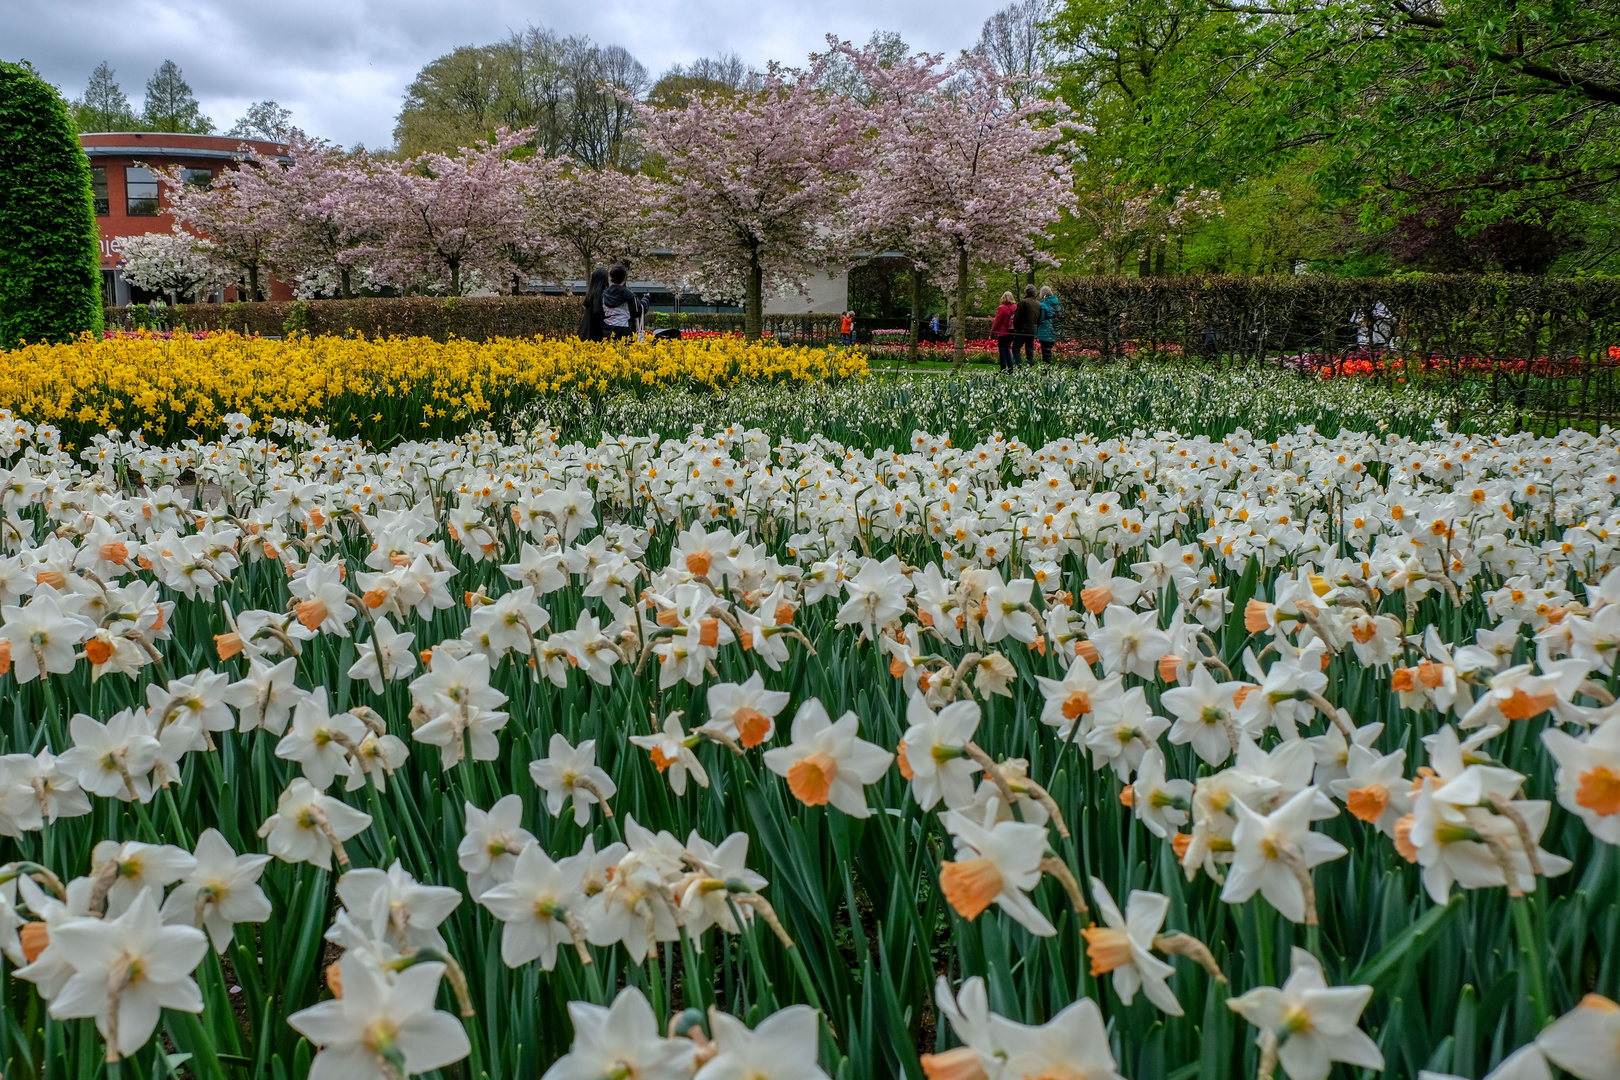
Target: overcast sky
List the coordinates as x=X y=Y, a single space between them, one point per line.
x=342 y=66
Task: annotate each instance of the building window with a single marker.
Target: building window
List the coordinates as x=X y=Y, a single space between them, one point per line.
x=140 y=192
x=98 y=184
x=197 y=177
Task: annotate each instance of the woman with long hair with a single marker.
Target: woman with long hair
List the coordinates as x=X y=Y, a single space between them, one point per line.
x=593 y=323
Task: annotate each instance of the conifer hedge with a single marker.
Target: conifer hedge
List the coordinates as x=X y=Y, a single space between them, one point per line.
x=50 y=269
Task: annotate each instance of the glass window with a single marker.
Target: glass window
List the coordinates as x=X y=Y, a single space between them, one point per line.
x=197 y=177
x=140 y=192
x=98 y=184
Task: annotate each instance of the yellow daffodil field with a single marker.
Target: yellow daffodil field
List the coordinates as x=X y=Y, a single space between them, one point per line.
x=383 y=389
x=711 y=711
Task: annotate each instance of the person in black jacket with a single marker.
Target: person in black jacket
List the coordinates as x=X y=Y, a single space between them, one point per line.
x=592 y=324
x=621 y=308
x=1026 y=321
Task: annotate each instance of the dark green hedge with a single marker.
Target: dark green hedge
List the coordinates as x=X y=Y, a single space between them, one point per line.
x=1536 y=346
x=473 y=318
x=1444 y=315
x=50 y=266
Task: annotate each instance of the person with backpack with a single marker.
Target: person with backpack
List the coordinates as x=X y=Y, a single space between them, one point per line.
x=1026 y=321
x=621 y=308
x=1001 y=329
x=1046 y=333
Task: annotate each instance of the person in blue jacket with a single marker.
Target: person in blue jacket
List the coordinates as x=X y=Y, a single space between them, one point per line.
x=1046 y=331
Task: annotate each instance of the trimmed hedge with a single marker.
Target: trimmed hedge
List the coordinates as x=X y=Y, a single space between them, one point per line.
x=50 y=264
x=440 y=318
x=1538 y=346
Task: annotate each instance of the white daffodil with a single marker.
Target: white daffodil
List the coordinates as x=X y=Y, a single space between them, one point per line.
x=1206 y=715
x=1273 y=854
x=309 y=827
x=621 y=1040
x=133 y=867
x=1124 y=946
x=827 y=762
x=1308 y=1024
x=221 y=890
x=382 y=1027
x=267 y=697
x=1076 y=699
x=671 y=751
x=570 y=773
x=1072 y=1045
x=320 y=742
x=783 y=1047
x=398 y=905
x=997 y=862
x=1160 y=803
x=115 y=759
x=536 y=904
x=1585 y=1042
x=126 y=970
x=744 y=711
x=388 y=656
x=932 y=752
x=1589 y=776
x=489 y=850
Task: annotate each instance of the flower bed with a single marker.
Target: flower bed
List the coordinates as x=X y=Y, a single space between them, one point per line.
x=1094 y=756
x=387 y=388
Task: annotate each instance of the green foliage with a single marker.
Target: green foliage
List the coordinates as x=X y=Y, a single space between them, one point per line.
x=170 y=104
x=472 y=318
x=50 y=276
x=104 y=107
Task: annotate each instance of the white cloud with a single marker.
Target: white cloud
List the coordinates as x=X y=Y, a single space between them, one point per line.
x=342 y=66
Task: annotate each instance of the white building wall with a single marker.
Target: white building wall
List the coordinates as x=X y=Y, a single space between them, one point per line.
x=828 y=293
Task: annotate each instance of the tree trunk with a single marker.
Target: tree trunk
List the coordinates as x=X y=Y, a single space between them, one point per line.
x=253 y=283
x=959 y=331
x=916 y=312
x=754 y=304
x=455 y=277
x=1158 y=260
x=343 y=279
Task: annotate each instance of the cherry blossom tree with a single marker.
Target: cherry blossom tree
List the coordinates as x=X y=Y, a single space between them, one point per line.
x=323 y=219
x=235 y=212
x=753 y=187
x=1129 y=221
x=599 y=216
x=445 y=215
x=956 y=173
x=176 y=263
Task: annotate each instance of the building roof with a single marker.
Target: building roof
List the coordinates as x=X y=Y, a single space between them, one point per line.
x=171 y=144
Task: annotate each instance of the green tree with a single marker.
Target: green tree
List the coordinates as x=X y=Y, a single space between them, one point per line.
x=50 y=277
x=170 y=104
x=1498 y=108
x=264 y=120
x=104 y=106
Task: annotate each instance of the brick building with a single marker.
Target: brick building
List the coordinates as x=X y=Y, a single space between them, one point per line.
x=130 y=201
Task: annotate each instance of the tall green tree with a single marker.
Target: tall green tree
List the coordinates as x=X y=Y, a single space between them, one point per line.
x=170 y=104
x=104 y=107
x=1499 y=108
x=50 y=277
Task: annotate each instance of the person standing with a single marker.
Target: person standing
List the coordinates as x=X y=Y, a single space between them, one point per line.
x=620 y=306
x=592 y=323
x=846 y=328
x=933 y=328
x=1046 y=333
x=1026 y=321
x=1001 y=328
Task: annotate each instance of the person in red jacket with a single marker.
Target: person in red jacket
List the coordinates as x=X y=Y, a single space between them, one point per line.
x=846 y=327
x=1001 y=330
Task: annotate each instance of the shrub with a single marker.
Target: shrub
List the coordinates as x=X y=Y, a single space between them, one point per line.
x=1536 y=345
x=471 y=318
x=50 y=271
